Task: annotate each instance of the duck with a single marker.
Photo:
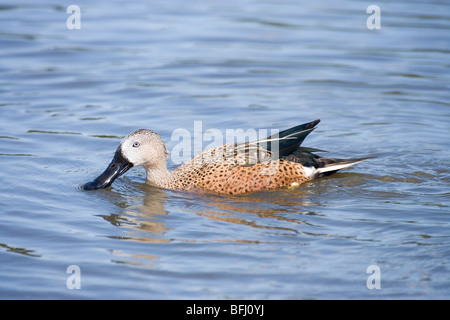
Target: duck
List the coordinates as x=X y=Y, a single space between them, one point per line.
x=277 y=161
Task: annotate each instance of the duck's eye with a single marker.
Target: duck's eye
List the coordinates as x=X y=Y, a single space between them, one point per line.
x=136 y=144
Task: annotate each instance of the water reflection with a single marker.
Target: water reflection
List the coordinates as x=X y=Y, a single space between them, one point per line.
x=143 y=210
x=257 y=207
x=24 y=251
x=140 y=220
x=142 y=214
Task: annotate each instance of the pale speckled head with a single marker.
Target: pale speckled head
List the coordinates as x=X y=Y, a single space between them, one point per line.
x=140 y=148
x=143 y=148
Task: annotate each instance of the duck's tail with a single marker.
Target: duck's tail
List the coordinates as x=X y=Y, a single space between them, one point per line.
x=331 y=166
x=316 y=166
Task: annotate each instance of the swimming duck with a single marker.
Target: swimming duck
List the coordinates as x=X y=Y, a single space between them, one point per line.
x=277 y=161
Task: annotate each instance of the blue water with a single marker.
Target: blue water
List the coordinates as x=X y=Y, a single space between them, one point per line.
x=68 y=97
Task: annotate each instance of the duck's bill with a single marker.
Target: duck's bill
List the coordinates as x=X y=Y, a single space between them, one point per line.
x=118 y=166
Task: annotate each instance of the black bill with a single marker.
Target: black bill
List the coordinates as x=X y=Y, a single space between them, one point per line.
x=118 y=166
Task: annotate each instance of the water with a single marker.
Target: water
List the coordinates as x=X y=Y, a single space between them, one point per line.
x=67 y=98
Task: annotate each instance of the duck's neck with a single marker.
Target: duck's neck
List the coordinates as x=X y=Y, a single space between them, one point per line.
x=159 y=175
x=178 y=179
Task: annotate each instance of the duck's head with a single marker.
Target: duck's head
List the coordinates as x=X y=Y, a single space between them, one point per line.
x=140 y=148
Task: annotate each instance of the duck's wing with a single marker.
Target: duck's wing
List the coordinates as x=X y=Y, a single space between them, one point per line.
x=271 y=148
x=290 y=140
x=277 y=145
